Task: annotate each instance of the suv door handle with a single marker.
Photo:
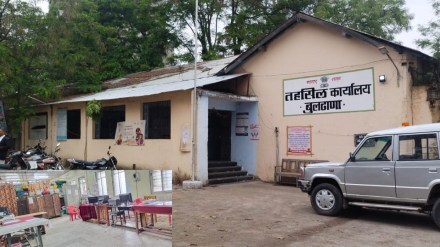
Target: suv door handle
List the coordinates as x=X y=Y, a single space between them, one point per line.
x=432 y=170
x=386 y=169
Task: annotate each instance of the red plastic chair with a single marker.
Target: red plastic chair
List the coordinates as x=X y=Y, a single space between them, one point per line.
x=138 y=201
x=73 y=212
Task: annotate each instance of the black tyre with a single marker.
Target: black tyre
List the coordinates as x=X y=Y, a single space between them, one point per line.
x=326 y=199
x=435 y=213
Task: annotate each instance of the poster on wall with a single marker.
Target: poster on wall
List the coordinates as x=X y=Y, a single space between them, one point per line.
x=62 y=125
x=38 y=126
x=2 y=117
x=242 y=124
x=130 y=133
x=255 y=132
x=299 y=140
x=330 y=93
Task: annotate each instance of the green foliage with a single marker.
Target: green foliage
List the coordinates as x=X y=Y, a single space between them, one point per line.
x=246 y=22
x=430 y=34
x=23 y=60
x=93 y=109
x=382 y=18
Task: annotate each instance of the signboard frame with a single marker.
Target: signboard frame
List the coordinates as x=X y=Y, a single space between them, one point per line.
x=310 y=152
x=330 y=77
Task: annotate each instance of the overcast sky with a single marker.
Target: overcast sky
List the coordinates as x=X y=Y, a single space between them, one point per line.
x=420 y=9
x=423 y=13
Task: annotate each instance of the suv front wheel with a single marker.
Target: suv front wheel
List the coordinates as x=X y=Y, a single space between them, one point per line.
x=326 y=199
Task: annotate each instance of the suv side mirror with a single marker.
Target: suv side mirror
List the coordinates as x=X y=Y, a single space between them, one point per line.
x=352 y=159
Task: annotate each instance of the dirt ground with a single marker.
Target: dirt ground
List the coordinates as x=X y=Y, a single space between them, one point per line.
x=264 y=214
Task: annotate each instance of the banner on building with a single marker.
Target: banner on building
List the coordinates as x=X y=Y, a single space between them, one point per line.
x=331 y=93
x=62 y=125
x=130 y=133
x=299 y=140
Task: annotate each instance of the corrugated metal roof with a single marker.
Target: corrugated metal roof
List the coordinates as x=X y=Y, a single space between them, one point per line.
x=162 y=84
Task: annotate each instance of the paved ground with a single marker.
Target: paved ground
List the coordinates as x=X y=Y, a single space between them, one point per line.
x=63 y=232
x=263 y=214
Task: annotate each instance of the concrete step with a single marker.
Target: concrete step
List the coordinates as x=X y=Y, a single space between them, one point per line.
x=230 y=179
x=224 y=169
x=212 y=164
x=226 y=174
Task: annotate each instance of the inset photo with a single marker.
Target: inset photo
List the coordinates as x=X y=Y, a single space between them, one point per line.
x=86 y=208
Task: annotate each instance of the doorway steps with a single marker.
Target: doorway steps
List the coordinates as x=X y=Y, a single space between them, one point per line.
x=226 y=172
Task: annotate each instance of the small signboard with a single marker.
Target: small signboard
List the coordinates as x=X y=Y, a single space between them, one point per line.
x=255 y=132
x=242 y=124
x=358 y=138
x=299 y=140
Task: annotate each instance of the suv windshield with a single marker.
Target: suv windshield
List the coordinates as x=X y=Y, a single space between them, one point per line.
x=377 y=148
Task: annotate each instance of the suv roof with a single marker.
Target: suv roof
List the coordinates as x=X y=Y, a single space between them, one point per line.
x=408 y=129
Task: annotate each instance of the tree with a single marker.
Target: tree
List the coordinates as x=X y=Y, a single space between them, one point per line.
x=431 y=32
x=140 y=37
x=382 y=18
x=23 y=70
x=245 y=22
x=210 y=17
x=249 y=21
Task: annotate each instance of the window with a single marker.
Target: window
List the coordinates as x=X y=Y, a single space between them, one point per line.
x=162 y=180
x=377 y=148
x=73 y=124
x=38 y=126
x=83 y=185
x=119 y=185
x=157 y=116
x=102 y=183
x=105 y=127
x=418 y=147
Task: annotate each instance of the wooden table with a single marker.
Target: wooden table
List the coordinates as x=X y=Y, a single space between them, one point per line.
x=152 y=207
x=37 y=214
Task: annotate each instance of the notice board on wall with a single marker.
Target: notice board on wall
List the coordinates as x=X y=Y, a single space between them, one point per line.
x=299 y=140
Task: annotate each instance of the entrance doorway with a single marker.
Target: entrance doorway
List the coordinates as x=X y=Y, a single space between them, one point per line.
x=219 y=135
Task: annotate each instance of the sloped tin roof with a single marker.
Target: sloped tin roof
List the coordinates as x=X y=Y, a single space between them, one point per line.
x=159 y=81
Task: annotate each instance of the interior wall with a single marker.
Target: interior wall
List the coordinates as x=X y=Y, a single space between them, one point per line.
x=138 y=189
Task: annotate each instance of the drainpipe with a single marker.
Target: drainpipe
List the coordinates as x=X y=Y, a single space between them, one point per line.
x=277 y=159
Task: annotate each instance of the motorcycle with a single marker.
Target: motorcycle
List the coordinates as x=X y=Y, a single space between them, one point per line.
x=46 y=162
x=101 y=164
x=53 y=162
x=37 y=149
x=16 y=162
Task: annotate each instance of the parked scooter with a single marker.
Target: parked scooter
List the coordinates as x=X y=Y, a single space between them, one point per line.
x=101 y=164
